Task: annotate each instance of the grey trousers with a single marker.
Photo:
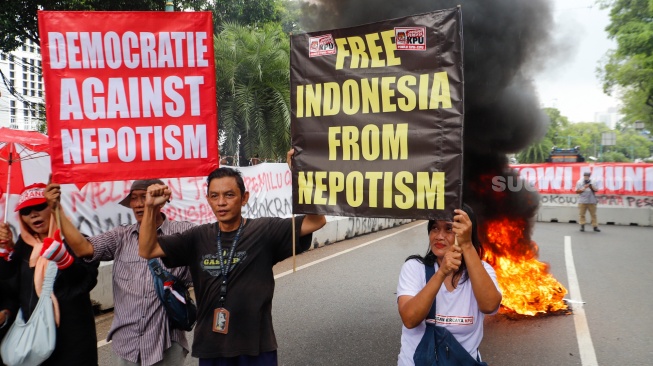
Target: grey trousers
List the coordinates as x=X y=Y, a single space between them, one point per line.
x=173 y=356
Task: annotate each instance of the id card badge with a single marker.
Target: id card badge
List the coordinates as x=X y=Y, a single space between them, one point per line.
x=221 y=320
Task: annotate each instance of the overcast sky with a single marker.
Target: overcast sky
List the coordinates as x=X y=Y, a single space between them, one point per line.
x=570 y=82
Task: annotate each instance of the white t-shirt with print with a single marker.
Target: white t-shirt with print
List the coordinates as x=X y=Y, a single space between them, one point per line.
x=457 y=311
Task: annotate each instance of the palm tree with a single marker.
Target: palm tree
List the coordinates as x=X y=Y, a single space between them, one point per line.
x=253 y=82
x=535 y=153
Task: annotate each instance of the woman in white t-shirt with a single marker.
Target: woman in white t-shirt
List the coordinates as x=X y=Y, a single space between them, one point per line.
x=463 y=287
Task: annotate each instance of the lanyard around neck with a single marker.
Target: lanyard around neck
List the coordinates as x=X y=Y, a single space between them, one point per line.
x=225 y=268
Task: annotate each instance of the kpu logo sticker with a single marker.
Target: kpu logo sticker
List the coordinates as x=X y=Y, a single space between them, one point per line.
x=321 y=46
x=410 y=38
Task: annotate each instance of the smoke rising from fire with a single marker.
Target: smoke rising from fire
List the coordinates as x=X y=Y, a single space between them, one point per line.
x=504 y=43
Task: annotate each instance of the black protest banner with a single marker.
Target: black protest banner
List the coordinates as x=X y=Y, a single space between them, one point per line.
x=377 y=118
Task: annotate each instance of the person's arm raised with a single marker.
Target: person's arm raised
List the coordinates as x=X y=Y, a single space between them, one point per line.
x=486 y=293
x=75 y=240
x=414 y=309
x=148 y=243
x=311 y=223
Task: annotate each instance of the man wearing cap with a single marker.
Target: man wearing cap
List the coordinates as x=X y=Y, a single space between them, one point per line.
x=587 y=200
x=140 y=332
x=24 y=263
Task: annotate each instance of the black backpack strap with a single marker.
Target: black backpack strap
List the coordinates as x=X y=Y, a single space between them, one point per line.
x=430 y=271
x=157 y=270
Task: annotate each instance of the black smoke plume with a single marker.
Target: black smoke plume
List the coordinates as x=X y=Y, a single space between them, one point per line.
x=504 y=43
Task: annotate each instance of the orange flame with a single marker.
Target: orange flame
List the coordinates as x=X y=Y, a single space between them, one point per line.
x=528 y=287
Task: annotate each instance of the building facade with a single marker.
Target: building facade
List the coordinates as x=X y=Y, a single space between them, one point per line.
x=21 y=88
x=610 y=117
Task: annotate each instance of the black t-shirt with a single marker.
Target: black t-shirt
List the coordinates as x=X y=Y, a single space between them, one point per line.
x=263 y=242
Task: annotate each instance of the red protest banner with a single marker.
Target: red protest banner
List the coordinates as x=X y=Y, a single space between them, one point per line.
x=129 y=95
x=555 y=178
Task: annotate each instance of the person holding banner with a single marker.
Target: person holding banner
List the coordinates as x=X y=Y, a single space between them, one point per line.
x=38 y=243
x=461 y=286
x=140 y=332
x=231 y=263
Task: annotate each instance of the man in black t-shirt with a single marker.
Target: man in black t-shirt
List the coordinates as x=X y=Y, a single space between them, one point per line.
x=231 y=265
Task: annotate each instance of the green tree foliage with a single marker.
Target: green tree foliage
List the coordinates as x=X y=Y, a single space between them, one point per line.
x=629 y=144
x=632 y=145
x=586 y=135
x=557 y=123
x=253 y=73
x=250 y=12
x=630 y=66
x=535 y=153
x=290 y=13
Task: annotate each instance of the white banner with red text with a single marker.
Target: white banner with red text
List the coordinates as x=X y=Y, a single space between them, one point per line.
x=94 y=208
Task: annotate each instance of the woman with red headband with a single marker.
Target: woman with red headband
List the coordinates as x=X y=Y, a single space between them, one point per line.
x=25 y=261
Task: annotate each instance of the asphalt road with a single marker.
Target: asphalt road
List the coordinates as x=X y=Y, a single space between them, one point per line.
x=339 y=308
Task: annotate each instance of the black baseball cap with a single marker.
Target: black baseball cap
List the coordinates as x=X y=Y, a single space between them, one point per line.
x=139 y=185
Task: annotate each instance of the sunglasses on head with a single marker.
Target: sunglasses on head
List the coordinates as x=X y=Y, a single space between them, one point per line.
x=28 y=210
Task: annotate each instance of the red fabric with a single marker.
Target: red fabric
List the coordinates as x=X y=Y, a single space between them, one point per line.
x=560 y=178
x=147 y=110
x=16 y=146
x=32 y=195
x=54 y=250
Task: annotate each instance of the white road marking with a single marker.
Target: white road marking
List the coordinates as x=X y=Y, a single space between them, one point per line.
x=102 y=343
x=343 y=252
x=585 y=346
